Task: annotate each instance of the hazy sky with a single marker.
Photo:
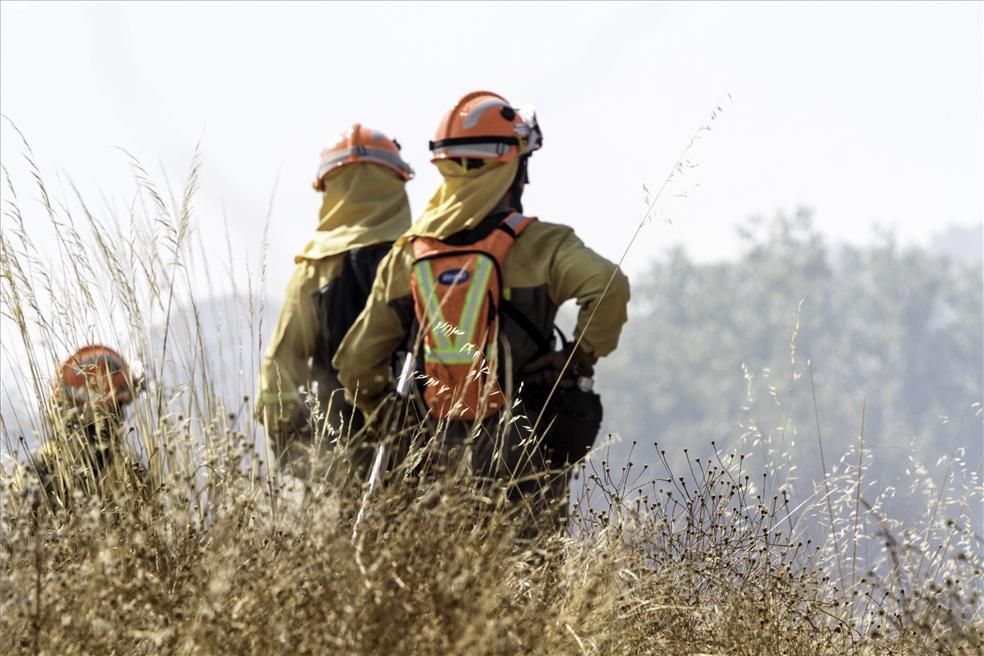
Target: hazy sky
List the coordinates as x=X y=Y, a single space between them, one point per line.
x=869 y=113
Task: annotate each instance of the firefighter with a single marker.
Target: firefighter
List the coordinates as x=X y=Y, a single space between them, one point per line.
x=364 y=210
x=86 y=449
x=472 y=290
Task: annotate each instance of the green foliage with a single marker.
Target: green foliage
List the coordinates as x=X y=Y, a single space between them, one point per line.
x=707 y=353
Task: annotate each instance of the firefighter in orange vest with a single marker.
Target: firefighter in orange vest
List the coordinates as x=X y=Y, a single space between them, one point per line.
x=85 y=449
x=472 y=290
x=364 y=210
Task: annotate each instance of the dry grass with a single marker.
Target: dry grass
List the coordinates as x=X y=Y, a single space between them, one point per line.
x=439 y=566
x=220 y=555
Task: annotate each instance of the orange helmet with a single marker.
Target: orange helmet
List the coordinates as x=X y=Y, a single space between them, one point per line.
x=362 y=144
x=483 y=125
x=97 y=376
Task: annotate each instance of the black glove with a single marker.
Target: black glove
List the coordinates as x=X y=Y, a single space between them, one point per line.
x=545 y=370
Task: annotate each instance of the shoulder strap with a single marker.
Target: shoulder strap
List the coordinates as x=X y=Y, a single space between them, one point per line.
x=511 y=311
x=542 y=341
x=516 y=223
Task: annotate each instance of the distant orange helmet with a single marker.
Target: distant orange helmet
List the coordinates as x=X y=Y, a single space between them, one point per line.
x=483 y=125
x=362 y=144
x=99 y=377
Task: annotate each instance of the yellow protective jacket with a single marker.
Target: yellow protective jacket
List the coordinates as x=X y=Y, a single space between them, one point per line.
x=547 y=266
x=290 y=364
x=364 y=210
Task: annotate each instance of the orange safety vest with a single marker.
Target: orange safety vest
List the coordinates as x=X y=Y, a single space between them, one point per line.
x=456 y=295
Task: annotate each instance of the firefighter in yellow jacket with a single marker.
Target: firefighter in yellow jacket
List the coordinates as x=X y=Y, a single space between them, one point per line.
x=364 y=210
x=476 y=280
x=85 y=449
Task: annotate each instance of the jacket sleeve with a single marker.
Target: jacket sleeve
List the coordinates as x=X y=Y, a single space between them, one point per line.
x=364 y=358
x=285 y=368
x=601 y=291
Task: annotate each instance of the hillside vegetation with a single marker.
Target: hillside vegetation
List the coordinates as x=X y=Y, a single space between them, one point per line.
x=703 y=551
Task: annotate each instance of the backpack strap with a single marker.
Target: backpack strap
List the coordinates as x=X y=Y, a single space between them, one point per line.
x=516 y=223
x=542 y=341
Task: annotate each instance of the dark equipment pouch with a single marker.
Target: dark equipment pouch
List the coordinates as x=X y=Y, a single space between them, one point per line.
x=571 y=420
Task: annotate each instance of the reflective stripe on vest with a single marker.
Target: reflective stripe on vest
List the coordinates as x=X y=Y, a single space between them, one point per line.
x=448 y=350
x=514 y=221
x=461 y=282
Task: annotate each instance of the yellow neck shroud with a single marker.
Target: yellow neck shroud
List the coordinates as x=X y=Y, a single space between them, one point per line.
x=364 y=204
x=463 y=199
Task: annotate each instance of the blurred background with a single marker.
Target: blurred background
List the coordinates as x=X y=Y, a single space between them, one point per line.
x=813 y=262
